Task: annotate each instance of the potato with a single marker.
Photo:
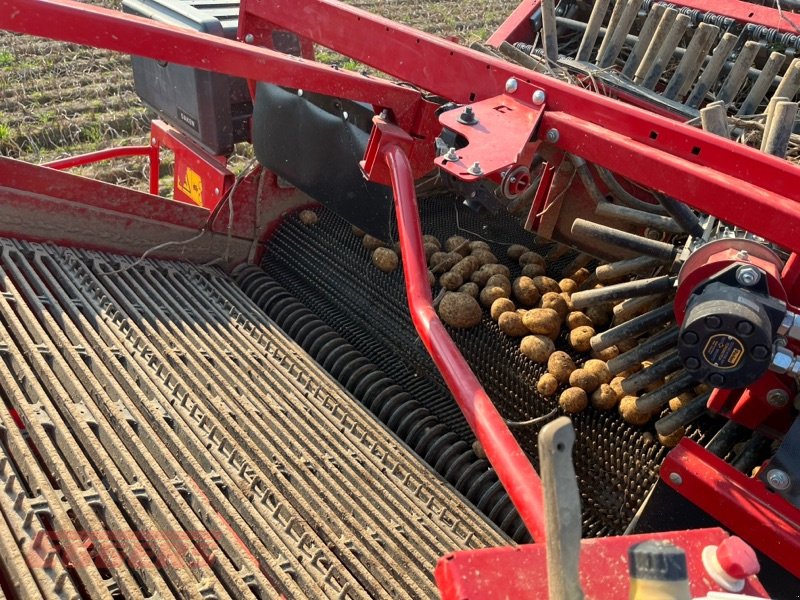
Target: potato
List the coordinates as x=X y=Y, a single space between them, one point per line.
x=451 y=281
x=470 y=288
x=579 y=338
x=490 y=294
x=543 y=321
x=525 y=291
x=599 y=369
x=547 y=385
x=431 y=279
x=546 y=284
x=485 y=256
x=500 y=306
x=358 y=232
x=460 y=310
x=556 y=302
x=458 y=244
x=479 y=245
x=604 y=397
x=606 y=354
x=616 y=385
x=371 y=243
x=500 y=281
x=600 y=315
x=680 y=401
x=465 y=268
x=436 y=258
x=631 y=414
x=580 y=275
x=568 y=285
x=583 y=379
x=560 y=366
x=671 y=440
x=533 y=270
x=478 y=450
x=482 y=275
x=537 y=347
x=511 y=324
x=514 y=251
x=702 y=388
x=430 y=250
x=626 y=345
x=432 y=239
x=531 y=258
x=568 y=300
x=446 y=262
x=573 y=400
x=578 y=319
x=309 y=217
x=386 y=260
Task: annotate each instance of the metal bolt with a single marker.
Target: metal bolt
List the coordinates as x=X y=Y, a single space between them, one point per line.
x=778 y=479
x=692 y=363
x=249 y=39
x=511 y=86
x=675 y=478
x=777 y=398
x=216 y=191
x=299 y=92
x=451 y=155
x=539 y=97
x=467 y=117
x=742 y=255
x=475 y=169
x=552 y=135
x=747 y=275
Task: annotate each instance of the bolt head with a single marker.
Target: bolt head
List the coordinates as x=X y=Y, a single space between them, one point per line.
x=249 y=39
x=747 y=275
x=539 y=97
x=675 y=478
x=778 y=479
x=475 y=169
x=782 y=360
x=216 y=191
x=511 y=86
x=777 y=398
x=552 y=135
x=451 y=155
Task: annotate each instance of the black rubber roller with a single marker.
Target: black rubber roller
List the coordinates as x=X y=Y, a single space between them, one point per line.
x=623 y=239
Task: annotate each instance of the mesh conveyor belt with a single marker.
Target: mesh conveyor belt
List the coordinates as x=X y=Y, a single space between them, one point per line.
x=176 y=443
x=327 y=268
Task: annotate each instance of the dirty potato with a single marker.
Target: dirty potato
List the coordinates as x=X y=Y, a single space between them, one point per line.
x=500 y=281
x=358 y=231
x=531 y=258
x=460 y=310
x=309 y=217
x=490 y=294
x=671 y=440
x=631 y=414
x=579 y=338
x=606 y=354
x=579 y=276
x=500 y=306
x=386 y=260
x=573 y=400
x=465 y=268
x=616 y=385
x=556 y=302
x=479 y=245
x=583 y=379
x=599 y=369
x=451 y=281
x=514 y=251
x=537 y=347
x=458 y=244
x=547 y=385
x=680 y=401
x=470 y=288
x=485 y=256
x=431 y=239
x=560 y=365
x=511 y=324
x=543 y=321
x=578 y=319
x=604 y=397
x=600 y=315
x=525 y=291
x=430 y=250
x=546 y=284
x=533 y=270
x=371 y=243
x=568 y=286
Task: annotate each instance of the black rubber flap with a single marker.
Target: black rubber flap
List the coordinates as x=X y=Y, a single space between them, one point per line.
x=315 y=143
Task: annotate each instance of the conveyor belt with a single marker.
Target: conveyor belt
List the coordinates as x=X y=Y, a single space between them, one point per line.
x=177 y=444
x=327 y=268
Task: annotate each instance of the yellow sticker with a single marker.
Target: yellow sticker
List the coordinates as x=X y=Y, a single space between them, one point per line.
x=192 y=186
x=723 y=351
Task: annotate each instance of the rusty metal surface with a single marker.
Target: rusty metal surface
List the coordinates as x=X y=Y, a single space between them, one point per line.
x=176 y=443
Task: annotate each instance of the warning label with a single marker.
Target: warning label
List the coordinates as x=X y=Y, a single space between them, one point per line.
x=723 y=351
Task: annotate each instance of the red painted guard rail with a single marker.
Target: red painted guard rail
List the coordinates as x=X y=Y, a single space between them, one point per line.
x=152 y=152
x=504 y=453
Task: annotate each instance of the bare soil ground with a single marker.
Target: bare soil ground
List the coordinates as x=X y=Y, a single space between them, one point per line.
x=59 y=99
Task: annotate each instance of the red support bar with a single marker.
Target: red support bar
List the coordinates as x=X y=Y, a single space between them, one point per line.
x=517 y=27
x=504 y=453
x=98 y=156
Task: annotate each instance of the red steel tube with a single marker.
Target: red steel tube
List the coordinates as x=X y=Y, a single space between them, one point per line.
x=512 y=465
x=98 y=156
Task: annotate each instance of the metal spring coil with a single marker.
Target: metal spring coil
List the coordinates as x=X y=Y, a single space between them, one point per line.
x=442 y=449
x=697 y=16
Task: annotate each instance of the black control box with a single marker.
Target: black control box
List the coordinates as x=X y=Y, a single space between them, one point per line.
x=211 y=108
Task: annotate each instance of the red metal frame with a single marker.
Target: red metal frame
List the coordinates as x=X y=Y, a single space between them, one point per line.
x=738 y=502
x=504 y=453
x=520 y=572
